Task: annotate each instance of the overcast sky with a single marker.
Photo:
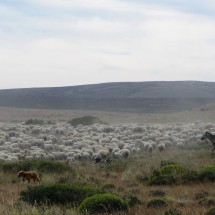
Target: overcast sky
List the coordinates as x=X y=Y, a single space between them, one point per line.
x=47 y=43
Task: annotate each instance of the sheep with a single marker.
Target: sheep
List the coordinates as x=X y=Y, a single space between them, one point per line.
x=161 y=146
x=28 y=176
x=125 y=153
x=103 y=153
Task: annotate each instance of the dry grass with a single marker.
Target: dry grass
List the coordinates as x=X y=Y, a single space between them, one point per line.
x=21 y=114
x=182 y=197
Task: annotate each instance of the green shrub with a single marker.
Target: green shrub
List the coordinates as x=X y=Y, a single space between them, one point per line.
x=201 y=194
x=58 y=194
x=190 y=176
x=160 y=193
x=166 y=163
x=85 y=120
x=156 y=203
x=103 y=203
x=132 y=200
x=173 y=211
x=171 y=174
x=211 y=212
x=173 y=169
x=207 y=173
x=207 y=201
x=11 y=167
x=162 y=180
x=34 y=122
x=41 y=166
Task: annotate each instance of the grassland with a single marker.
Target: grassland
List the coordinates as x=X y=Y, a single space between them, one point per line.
x=204 y=114
x=121 y=177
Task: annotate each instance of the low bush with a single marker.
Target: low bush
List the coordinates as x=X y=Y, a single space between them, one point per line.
x=173 y=174
x=132 y=200
x=58 y=194
x=207 y=201
x=156 y=203
x=173 y=211
x=41 y=166
x=34 y=122
x=160 y=193
x=210 y=212
x=207 y=173
x=103 y=203
x=85 y=120
x=173 y=169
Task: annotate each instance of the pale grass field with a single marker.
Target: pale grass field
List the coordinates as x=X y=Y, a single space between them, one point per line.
x=20 y=114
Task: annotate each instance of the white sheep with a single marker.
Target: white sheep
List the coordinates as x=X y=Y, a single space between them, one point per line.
x=161 y=146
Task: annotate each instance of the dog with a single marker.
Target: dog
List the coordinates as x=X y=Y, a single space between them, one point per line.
x=28 y=176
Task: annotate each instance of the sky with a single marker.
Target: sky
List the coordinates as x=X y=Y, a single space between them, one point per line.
x=50 y=43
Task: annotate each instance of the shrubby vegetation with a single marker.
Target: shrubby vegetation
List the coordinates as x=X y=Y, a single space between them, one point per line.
x=85 y=120
x=179 y=174
x=41 y=166
x=58 y=194
x=38 y=122
x=156 y=203
x=173 y=211
x=103 y=203
x=211 y=212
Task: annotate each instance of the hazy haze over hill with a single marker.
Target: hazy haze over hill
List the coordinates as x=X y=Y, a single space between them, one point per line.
x=159 y=96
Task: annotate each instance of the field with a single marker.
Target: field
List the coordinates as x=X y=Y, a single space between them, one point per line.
x=130 y=176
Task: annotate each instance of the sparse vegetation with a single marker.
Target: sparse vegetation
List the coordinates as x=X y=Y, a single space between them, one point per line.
x=34 y=122
x=85 y=120
x=41 y=166
x=157 y=203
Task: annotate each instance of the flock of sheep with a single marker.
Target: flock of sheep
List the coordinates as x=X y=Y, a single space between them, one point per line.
x=61 y=141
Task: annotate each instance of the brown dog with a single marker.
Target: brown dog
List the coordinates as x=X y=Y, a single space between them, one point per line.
x=29 y=175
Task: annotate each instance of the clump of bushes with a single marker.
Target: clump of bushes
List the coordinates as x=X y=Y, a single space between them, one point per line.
x=160 y=193
x=41 y=166
x=38 y=122
x=132 y=200
x=103 y=203
x=85 y=120
x=58 y=194
x=173 y=211
x=211 y=212
x=34 y=122
x=207 y=201
x=178 y=174
x=207 y=173
x=156 y=203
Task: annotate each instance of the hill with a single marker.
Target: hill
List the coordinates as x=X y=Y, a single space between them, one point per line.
x=161 y=96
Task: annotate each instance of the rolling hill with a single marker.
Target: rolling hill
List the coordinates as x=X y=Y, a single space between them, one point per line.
x=162 y=96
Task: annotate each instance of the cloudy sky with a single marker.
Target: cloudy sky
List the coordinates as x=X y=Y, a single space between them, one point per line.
x=47 y=43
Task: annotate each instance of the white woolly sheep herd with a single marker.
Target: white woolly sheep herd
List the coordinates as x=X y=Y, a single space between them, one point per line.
x=61 y=141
